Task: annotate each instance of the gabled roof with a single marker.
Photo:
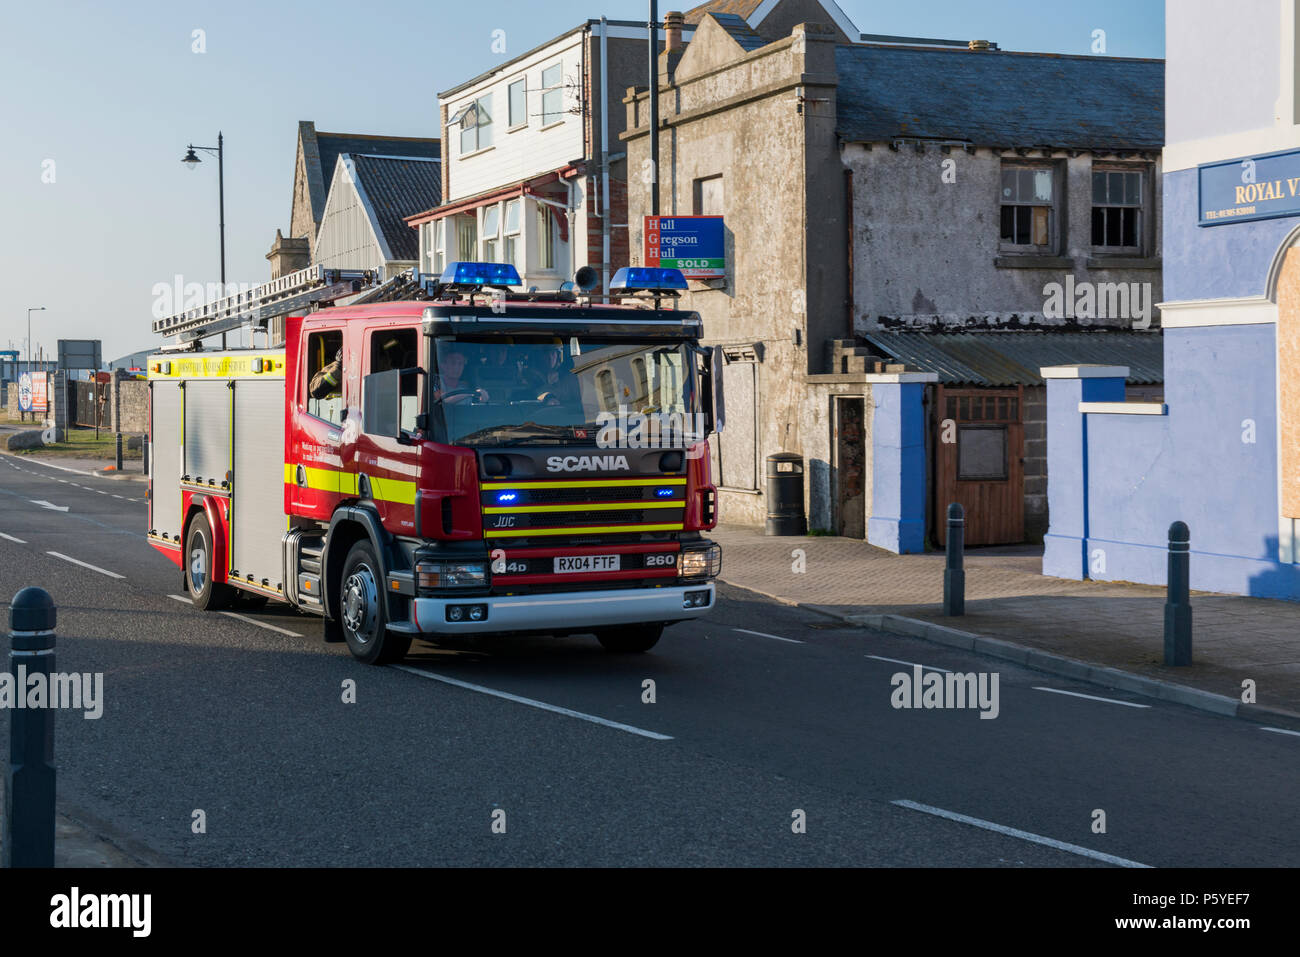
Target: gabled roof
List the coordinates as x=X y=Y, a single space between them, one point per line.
x=996 y=98
x=740 y=31
x=738 y=8
x=1015 y=358
x=320 y=152
x=392 y=188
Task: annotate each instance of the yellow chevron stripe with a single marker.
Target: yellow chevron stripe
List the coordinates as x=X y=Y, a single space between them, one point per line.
x=524 y=485
x=578 y=530
x=584 y=507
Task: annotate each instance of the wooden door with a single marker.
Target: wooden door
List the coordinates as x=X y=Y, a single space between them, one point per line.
x=979 y=462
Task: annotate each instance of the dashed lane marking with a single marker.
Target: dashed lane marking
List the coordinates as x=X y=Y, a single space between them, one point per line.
x=12 y=539
x=910 y=664
x=763 y=634
x=1093 y=697
x=594 y=719
x=1016 y=832
x=93 y=568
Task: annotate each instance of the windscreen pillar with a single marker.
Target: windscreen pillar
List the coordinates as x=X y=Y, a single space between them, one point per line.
x=898 y=469
x=1065 y=546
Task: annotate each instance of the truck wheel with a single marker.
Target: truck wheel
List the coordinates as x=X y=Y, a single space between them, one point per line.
x=629 y=638
x=204 y=592
x=361 y=611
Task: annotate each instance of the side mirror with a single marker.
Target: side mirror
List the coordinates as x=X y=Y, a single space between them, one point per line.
x=711 y=393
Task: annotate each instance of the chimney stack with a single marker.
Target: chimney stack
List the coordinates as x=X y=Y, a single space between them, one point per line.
x=978 y=45
x=673 y=21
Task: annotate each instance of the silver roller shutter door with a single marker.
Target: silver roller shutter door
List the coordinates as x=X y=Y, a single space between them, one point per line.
x=207 y=430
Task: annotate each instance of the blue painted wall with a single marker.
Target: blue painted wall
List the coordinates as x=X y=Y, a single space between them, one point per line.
x=1118 y=490
x=1213 y=262
x=897 y=521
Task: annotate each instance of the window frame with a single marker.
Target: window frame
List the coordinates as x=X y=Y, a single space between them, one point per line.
x=482 y=106
x=698 y=187
x=1144 y=207
x=512 y=123
x=546 y=229
x=1055 y=207
x=557 y=91
x=511 y=239
x=307 y=399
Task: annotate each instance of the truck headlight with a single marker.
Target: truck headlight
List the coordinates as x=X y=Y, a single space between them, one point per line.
x=431 y=576
x=701 y=562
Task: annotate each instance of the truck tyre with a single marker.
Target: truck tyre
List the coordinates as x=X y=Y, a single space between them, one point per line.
x=629 y=638
x=204 y=592
x=362 y=613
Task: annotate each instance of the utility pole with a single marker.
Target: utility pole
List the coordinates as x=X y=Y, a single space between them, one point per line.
x=654 y=106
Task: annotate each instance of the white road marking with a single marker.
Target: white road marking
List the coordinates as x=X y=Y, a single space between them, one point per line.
x=93 y=568
x=12 y=539
x=262 y=624
x=912 y=664
x=1093 y=697
x=1023 y=835
x=251 y=621
x=119 y=496
x=50 y=505
x=533 y=703
x=763 y=634
x=1281 y=731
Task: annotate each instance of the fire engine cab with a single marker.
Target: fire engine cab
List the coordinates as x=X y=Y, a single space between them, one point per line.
x=467 y=460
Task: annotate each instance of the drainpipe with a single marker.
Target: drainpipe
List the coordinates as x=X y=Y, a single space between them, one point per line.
x=604 y=162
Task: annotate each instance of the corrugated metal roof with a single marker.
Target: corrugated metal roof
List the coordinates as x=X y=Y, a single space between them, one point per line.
x=740 y=31
x=1014 y=358
x=998 y=98
x=398 y=188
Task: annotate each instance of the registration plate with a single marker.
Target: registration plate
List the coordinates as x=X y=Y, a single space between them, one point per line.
x=586 y=563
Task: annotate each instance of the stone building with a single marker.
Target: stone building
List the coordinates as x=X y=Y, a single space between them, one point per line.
x=898 y=214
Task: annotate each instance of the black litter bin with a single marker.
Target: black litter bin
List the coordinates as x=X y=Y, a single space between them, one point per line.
x=785 y=495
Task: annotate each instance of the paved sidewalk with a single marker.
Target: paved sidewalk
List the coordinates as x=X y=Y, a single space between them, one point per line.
x=1117 y=626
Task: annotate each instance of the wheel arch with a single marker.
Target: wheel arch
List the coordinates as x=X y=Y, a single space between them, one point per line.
x=348 y=526
x=209 y=506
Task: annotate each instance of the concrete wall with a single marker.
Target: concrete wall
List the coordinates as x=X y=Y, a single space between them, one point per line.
x=926 y=252
x=130 y=406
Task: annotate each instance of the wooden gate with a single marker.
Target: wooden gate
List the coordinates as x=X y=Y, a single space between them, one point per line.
x=979 y=462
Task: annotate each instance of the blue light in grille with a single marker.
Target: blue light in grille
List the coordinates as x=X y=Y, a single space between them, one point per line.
x=507 y=496
x=664 y=492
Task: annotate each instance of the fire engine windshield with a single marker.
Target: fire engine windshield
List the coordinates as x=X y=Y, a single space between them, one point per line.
x=574 y=391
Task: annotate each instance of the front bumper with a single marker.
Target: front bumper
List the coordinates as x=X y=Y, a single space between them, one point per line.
x=565 y=611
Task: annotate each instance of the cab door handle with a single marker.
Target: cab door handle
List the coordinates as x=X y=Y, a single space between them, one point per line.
x=300 y=476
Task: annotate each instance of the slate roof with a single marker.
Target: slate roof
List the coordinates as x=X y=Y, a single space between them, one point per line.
x=330 y=145
x=738 y=8
x=1014 y=358
x=998 y=98
x=398 y=187
x=740 y=31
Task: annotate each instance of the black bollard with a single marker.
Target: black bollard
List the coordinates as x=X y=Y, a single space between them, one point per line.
x=954 y=576
x=29 y=785
x=1178 y=605
x=119 y=451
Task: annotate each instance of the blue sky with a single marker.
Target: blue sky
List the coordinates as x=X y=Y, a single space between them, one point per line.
x=112 y=94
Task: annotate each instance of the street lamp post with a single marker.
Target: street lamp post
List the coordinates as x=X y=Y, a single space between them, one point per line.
x=29 y=334
x=192 y=161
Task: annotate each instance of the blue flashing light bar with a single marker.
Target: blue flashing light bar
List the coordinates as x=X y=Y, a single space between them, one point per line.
x=480 y=274
x=647 y=279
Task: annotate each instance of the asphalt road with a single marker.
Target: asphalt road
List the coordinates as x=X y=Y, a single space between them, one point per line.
x=760 y=711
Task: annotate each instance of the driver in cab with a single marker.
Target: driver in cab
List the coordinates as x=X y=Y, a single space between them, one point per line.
x=451 y=386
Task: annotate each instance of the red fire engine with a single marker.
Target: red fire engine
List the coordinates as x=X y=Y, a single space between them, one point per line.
x=460 y=463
